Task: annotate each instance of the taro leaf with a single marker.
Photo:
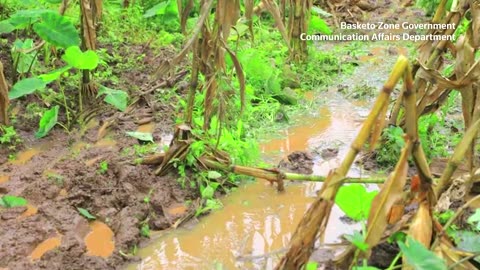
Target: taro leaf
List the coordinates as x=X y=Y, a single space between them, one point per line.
x=84 y=212
x=24 y=18
x=355 y=201
x=358 y=240
x=142 y=136
x=10 y=201
x=419 y=257
x=468 y=241
x=475 y=219
x=6 y=27
x=117 y=98
x=80 y=60
x=47 y=122
x=54 y=75
x=213 y=175
x=25 y=87
x=57 y=30
x=24 y=60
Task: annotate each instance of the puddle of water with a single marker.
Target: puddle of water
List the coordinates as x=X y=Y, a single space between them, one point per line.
x=179 y=209
x=31 y=210
x=256 y=219
x=106 y=142
x=47 y=245
x=99 y=241
x=25 y=156
x=4 y=178
x=146 y=128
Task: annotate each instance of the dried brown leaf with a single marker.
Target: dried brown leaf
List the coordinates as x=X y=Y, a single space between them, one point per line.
x=273 y=8
x=4 y=101
x=379 y=126
x=89 y=35
x=390 y=194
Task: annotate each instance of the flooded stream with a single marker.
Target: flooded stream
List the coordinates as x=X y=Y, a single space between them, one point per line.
x=256 y=219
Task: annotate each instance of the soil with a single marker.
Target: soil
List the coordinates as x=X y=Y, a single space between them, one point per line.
x=298 y=162
x=64 y=174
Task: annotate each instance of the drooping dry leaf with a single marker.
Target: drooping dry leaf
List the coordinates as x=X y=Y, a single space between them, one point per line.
x=475 y=13
x=433 y=76
x=249 y=5
x=421 y=228
x=390 y=194
x=272 y=7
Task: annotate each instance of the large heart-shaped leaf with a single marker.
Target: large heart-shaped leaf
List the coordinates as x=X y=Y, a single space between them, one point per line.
x=80 y=60
x=57 y=30
x=6 y=27
x=355 y=201
x=117 y=98
x=24 y=18
x=47 y=122
x=25 y=87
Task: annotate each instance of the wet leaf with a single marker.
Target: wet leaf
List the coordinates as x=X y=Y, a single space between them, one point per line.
x=355 y=201
x=81 y=60
x=25 y=87
x=9 y=201
x=475 y=219
x=213 y=175
x=84 y=212
x=117 y=98
x=358 y=240
x=419 y=257
x=57 y=30
x=47 y=122
x=142 y=136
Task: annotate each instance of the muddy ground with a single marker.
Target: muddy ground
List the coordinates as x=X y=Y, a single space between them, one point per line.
x=62 y=173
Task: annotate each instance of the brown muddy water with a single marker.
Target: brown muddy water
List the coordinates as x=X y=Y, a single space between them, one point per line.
x=256 y=222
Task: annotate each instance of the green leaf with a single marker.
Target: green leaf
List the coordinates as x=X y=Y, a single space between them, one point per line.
x=355 y=201
x=84 y=212
x=54 y=75
x=142 y=136
x=81 y=60
x=311 y=266
x=54 y=1
x=158 y=9
x=117 y=98
x=214 y=175
x=47 y=122
x=24 y=18
x=10 y=201
x=145 y=230
x=57 y=30
x=468 y=241
x=207 y=192
x=475 y=219
x=6 y=27
x=358 y=240
x=319 y=25
x=24 y=59
x=25 y=87
x=419 y=257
